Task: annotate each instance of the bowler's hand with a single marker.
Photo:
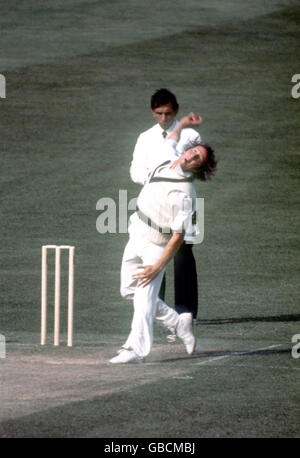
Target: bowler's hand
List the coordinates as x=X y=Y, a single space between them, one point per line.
x=148 y=274
x=191 y=120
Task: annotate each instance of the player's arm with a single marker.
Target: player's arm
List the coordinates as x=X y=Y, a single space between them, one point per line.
x=150 y=272
x=191 y=120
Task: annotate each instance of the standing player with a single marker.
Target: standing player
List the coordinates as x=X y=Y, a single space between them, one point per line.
x=156 y=233
x=146 y=156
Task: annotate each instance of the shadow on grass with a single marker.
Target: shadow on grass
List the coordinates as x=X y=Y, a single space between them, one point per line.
x=283 y=318
x=223 y=353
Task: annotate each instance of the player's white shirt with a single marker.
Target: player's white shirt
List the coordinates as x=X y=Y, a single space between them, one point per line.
x=181 y=203
x=147 y=151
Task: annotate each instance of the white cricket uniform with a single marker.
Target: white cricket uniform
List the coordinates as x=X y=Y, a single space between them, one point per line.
x=147 y=151
x=145 y=247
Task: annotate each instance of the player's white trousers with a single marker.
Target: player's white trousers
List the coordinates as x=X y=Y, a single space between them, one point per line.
x=146 y=303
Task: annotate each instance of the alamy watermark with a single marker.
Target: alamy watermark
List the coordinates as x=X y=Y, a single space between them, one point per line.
x=114 y=216
x=2 y=347
x=296 y=347
x=2 y=87
x=296 y=88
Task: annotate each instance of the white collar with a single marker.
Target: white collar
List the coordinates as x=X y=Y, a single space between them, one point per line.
x=182 y=173
x=178 y=170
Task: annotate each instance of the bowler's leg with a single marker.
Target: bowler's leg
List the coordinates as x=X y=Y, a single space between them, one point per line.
x=130 y=261
x=141 y=335
x=181 y=323
x=140 y=338
x=165 y=315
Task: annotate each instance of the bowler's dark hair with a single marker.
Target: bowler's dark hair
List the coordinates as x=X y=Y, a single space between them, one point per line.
x=208 y=169
x=163 y=97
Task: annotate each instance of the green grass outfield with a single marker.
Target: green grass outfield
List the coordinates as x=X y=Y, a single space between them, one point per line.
x=79 y=76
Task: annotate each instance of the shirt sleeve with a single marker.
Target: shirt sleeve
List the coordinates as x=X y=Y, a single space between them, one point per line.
x=169 y=151
x=138 y=168
x=139 y=172
x=187 y=136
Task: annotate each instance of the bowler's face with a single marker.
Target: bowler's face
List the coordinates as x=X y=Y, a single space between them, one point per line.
x=165 y=115
x=193 y=158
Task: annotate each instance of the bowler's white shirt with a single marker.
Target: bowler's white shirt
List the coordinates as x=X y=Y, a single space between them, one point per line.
x=147 y=151
x=182 y=204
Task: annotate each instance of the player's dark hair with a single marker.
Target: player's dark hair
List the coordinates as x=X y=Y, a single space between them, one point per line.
x=163 y=97
x=208 y=169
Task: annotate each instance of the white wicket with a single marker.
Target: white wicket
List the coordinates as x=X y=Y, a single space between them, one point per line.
x=57 y=293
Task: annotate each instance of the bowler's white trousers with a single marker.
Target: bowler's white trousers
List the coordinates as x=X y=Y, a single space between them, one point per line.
x=147 y=305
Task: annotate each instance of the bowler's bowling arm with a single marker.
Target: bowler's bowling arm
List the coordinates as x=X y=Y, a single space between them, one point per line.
x=191 y=120
x=150 y=272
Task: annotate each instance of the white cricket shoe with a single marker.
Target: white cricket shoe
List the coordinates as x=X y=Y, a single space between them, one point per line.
x=126 y=356
x=184 y=330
